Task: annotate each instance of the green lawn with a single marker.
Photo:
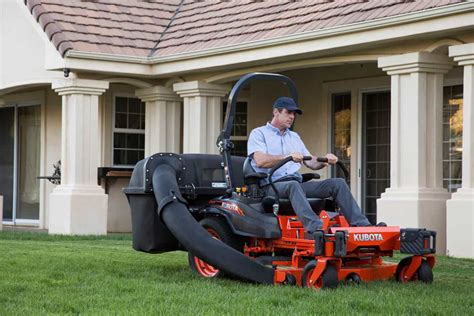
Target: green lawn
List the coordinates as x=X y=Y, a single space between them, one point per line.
x=41 y=274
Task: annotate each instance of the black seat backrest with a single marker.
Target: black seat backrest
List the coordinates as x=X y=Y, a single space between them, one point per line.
x=248 y=168
x=250 y=175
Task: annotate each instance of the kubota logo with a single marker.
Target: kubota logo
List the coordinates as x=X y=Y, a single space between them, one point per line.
x=232 y=207
x=368 y=237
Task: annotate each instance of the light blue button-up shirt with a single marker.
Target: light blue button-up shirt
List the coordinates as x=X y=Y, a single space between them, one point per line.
x=268 y=139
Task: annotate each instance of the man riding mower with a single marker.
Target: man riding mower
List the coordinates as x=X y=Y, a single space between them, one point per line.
x=229 y=216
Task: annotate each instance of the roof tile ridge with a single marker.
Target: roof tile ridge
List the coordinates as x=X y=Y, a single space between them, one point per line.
x=262 y=14
x=155 y=47
x=78 y=5
x=110 y=36
x=62 y=44
x=75 y=6
x=129 y=5
x=108 y=28
x=107 y=19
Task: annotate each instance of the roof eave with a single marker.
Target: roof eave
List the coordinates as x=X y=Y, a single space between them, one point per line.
x=154 y=62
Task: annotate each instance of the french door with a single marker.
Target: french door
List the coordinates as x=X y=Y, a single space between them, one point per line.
x=375 y=150
x=20 y=129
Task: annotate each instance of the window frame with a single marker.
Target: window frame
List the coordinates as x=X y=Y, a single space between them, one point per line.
x=449 y=84
x=233 y=137
x=333 y=129
x=123 y=130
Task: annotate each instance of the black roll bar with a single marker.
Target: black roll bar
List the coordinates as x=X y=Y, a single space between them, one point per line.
x=223 y=141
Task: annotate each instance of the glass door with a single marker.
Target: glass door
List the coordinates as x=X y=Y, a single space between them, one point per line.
x=7 y=150
x=29 y=130
x=376 y=150
x=20 y=129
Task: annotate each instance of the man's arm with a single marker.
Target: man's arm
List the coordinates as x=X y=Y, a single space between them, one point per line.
x=263 y=160
x=315 y=165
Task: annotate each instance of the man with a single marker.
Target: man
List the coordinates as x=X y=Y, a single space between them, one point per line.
x=269 y=144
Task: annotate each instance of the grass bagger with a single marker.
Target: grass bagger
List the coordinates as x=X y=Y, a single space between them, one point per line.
x=213 y=207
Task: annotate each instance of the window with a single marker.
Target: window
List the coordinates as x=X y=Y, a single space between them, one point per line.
x=129 y=131
x=452 y=137
x=239 y=135
x=341 y=132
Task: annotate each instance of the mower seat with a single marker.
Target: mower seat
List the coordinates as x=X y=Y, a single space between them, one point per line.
x=251 y=177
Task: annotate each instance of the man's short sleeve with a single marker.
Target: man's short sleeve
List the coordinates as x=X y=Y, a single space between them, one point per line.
x=256 y=142
x=304 y=150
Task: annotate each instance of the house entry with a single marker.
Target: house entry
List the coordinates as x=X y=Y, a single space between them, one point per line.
x=375 y=150
x=20 y=129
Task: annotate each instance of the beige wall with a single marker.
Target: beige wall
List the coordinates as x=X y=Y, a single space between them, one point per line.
x=24 y=47
x=51 y=145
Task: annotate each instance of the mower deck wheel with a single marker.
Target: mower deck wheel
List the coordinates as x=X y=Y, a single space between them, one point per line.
x=327 y=280
x=218 y=229
x=353 y=278
x=423 y=274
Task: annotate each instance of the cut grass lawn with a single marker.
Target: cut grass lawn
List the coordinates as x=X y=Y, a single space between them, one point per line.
x=42 y=274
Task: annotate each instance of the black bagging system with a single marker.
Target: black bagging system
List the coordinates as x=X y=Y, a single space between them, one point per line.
x=161 y=220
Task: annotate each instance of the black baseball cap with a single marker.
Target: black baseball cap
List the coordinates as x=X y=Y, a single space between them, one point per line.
x=287 y=103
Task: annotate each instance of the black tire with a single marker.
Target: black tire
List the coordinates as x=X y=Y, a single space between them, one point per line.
x=353 y=278
x=328 y=279
x=289 y=279
x=423 y=274
x=221 y=230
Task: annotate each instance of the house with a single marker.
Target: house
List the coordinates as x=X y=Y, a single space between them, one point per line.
x=385 y=85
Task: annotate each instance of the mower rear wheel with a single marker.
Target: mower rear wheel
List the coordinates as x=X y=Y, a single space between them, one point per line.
x=327 y=280
x=423 y=274
x=218 y=229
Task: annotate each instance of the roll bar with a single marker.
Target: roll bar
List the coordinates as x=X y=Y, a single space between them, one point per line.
x=223 y=141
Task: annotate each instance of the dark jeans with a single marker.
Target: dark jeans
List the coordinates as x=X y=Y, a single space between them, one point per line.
x=336 y=188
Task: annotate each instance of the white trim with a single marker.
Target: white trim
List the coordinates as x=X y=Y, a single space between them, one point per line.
x=28 y=222
x=15 y=164
x=35 y=98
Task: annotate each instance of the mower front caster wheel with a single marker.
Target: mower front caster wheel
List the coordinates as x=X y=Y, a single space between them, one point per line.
x=423 y=274
x=327 y=280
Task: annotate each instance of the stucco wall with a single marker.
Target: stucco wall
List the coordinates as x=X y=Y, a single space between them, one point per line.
x=52 y=145
x=23 y=47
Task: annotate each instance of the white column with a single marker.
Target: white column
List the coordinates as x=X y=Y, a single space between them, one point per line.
x=416 y=197
x=460 y=208
x=162 y=119
x=79 y=205
x=202 y=115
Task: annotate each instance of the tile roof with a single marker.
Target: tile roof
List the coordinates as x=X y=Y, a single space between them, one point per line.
x=168 y=27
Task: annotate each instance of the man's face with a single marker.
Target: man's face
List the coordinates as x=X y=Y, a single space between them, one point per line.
x=284 y=117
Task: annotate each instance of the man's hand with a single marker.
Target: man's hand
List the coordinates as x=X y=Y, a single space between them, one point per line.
x=332 y=159
x=297 y=157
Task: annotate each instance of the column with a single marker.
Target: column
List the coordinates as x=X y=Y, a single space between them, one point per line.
x=460 y=208
x=79 y=205
x=162 y=119
x=202 y=115
x=416 y=197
